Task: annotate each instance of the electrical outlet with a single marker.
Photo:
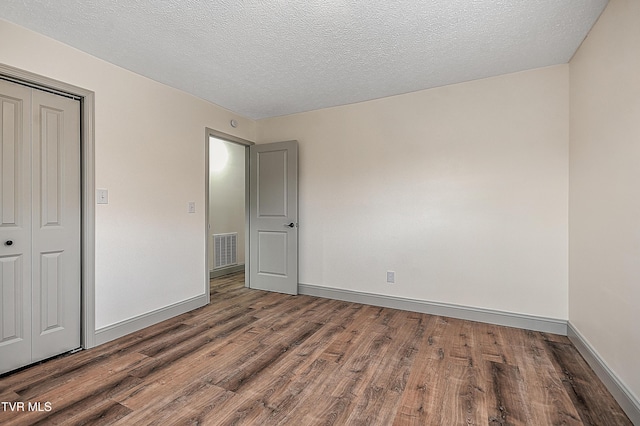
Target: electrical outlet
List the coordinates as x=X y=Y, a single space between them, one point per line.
x=391 y=277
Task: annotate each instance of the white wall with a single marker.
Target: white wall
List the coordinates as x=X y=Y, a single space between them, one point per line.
x=604 y=260
x=150 y=148
x=227 y=198
x=462 y=190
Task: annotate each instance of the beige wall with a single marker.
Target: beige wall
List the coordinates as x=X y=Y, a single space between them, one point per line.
x=227 y=198
x=461 y=190
x=604 y=260
x=150 y=148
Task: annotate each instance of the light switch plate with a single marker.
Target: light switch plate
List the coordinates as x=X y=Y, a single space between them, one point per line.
x=191 y=207
x=102 y=196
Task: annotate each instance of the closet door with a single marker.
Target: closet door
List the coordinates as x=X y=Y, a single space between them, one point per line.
x=55 y=225
x=39 y=225
x=15 y=226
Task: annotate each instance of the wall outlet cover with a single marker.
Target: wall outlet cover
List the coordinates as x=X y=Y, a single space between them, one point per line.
x=391 y=277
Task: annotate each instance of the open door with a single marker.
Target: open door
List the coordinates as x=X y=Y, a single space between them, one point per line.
x=273 y=220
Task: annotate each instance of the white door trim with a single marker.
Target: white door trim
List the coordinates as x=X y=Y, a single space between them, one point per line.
x=87 y=166
x=234 y=139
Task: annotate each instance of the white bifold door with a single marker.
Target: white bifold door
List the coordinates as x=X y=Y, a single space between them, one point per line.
x=273 y=220
x=39 y=225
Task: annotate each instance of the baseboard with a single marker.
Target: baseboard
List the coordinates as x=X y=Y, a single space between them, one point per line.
x=112 y=332
x=224 y=271
x=529 y=322
x=629 y=403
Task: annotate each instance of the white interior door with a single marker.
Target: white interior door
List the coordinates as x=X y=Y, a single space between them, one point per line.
x=273 y=221
x=56 y=225
x=15 y=226
x=40 y=226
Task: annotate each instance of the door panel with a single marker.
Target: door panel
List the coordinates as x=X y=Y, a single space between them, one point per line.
x=51 y=137
x=12 y=307
x=56 y=233
x=273 y=241
x=50 y=310
x=15 y=226
x=272 y=253
x=12 y=113
x=272 y=184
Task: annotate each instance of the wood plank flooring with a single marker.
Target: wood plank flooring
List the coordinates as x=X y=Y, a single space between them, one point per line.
x=258 y=358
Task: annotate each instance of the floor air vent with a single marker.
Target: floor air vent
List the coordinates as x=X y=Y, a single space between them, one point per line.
x=225 y=250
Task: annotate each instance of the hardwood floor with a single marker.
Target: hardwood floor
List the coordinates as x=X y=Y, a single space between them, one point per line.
x=259 y=358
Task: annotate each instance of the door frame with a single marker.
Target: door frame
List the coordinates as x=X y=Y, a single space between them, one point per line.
x=87 y=191
x=233 y=139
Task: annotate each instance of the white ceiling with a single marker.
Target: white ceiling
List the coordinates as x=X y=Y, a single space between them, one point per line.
x=265 y=58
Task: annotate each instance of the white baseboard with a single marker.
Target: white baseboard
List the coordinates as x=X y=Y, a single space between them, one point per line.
x=112 y=332
x=529 y=322
x=629 y=403
x=224 y=271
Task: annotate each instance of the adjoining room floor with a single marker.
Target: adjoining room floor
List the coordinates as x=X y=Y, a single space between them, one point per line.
x=259 y=358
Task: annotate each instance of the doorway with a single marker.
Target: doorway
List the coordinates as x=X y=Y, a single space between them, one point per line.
x=227 y=204
x=270 y=211
x=227 y=207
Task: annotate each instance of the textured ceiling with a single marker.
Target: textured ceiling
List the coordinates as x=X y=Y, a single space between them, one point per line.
x=265 y=58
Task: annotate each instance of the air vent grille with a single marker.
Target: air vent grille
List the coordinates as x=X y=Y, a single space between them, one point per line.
x=225 y=250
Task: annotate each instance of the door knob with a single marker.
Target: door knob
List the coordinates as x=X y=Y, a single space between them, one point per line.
x=291 y=225
x=8 y=243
